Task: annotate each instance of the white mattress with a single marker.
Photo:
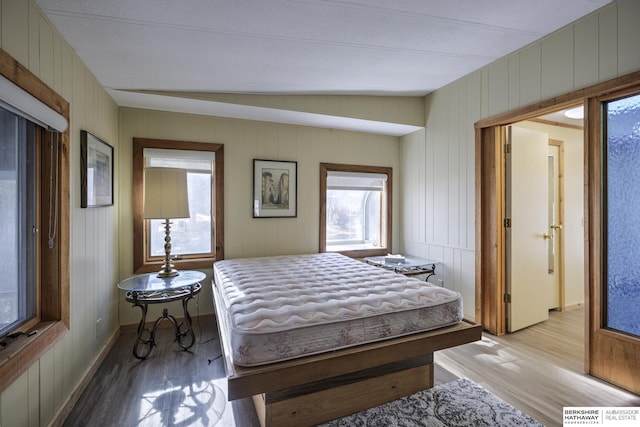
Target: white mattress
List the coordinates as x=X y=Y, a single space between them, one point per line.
x=284 y=307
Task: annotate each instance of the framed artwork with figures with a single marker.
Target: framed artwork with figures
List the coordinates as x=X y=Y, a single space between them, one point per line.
x=274 y=188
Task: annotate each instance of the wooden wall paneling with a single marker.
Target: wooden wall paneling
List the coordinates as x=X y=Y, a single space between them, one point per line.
x=34 y=39
x=474 y=108
x=47 y=387
x=514 y=81
x=467 y=288
x=448 y=267
x=57 y=64
x=498 y=74
x=409 y=191
x=465 y=169
x=556 y=65
x=453 y=166
x=429 y=189
x=585 y=57
x=14 y=405
x=441 y=171
x=628 y=36
x=454 y=257
x=45 y=51
x=15 y=31
x=33 y=399
x=608 y=43
x=63 y=386
x=530 y=74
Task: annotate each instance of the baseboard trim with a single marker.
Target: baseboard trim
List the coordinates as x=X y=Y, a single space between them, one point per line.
x=66 y=408
x=574 y=306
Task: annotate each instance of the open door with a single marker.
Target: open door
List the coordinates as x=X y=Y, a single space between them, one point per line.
x=529 y=284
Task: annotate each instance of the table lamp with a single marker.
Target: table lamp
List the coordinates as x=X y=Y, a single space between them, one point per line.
x=166 y=197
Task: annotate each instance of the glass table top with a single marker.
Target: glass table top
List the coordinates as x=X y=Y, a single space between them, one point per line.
x=151 y=282
x=409 y=262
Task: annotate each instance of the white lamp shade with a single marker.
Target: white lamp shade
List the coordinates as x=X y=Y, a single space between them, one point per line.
x=165 y=193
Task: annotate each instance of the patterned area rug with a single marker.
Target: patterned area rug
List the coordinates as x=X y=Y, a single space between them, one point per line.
x=458 y=403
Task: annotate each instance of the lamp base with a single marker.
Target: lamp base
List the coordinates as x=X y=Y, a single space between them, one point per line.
x=168 y=273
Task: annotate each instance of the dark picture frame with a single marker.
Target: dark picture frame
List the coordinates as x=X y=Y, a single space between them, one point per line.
x=96 y=171
x=275 y=189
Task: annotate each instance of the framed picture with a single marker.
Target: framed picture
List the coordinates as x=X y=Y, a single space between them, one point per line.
x=96 y=171
x=275 y=189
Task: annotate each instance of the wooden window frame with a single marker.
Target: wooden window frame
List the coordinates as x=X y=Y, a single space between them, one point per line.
x=52 y=319
x=140 y=262
x=337 y=167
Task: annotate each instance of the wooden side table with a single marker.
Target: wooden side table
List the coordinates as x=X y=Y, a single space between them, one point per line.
x=148 y=289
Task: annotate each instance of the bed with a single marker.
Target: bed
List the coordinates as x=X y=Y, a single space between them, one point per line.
x=318 y=336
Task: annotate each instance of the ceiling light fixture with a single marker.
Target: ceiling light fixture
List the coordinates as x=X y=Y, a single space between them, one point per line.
x=575 y=113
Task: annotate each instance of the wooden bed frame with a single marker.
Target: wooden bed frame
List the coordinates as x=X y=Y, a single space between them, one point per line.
x=314 y=389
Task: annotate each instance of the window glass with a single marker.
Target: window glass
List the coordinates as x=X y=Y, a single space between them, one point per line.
x=354 y=211
x=189 y=236
x=17 y=221
x=353 y=218
x=622 y=219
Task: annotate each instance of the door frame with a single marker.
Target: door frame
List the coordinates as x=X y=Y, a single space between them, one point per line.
x=560 y=268
x=489 y=196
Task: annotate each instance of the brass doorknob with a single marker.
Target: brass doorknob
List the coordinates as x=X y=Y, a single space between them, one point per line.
x=556 y=227
x=547 y=236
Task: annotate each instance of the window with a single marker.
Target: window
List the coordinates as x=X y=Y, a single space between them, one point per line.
x=621 y=118
x=355 y=217
x=34 y=221
x=196 y=241
x=18 y=221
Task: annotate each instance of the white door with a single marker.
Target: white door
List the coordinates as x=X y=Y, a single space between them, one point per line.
x=528 y=281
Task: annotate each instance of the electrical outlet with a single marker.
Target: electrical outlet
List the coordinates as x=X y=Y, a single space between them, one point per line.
x=441 y=283
x=98 y=321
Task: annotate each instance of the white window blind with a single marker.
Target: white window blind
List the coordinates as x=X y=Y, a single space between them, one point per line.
x=22 y=103
x=182 y=159
x=360 y=181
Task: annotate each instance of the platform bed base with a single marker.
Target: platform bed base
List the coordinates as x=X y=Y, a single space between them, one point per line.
x=323 y=401
x=319 y=388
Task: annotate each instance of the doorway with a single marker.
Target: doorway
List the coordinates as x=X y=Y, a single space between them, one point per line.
x=536 y=181
x=610 y=354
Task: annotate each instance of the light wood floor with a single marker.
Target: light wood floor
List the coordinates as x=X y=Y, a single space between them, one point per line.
x=538 y=370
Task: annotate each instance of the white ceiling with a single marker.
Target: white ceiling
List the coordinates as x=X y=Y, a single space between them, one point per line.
x=370 y=47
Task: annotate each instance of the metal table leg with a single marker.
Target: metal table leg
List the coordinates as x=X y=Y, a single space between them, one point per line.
x=142 y=346
x=187 y=320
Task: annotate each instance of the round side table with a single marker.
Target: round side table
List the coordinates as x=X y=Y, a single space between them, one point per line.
x=148 y=289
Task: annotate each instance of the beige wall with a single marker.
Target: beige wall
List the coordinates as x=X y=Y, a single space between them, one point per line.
x=244 y=141
x=33 y=399
x=437 y=165
x=433 y=174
